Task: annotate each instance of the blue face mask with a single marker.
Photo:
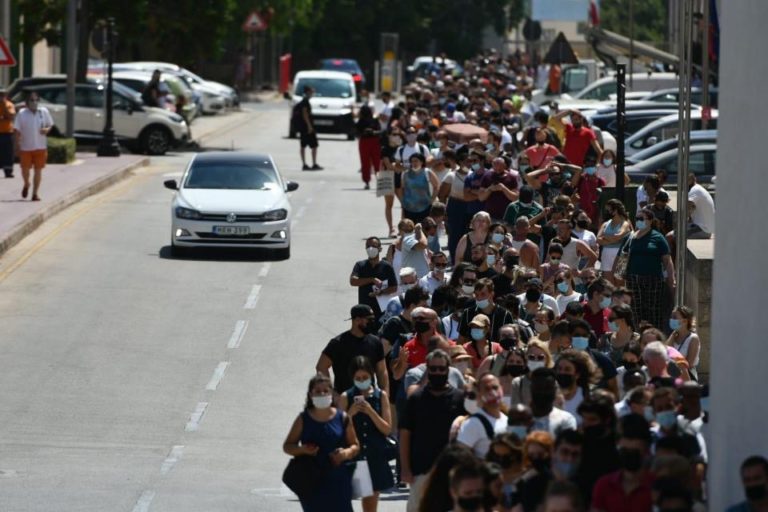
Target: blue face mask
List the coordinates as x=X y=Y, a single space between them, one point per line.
x=641 y=224
x=674 y=324
x=566 y=469
x=477 y=334
x=590 y=170
x=475 y=167
x=518 y=430
x=524 y=167
x=491 y=260
x=613 y=327
x=482 y=304
x=362 y=385
x=562 y=287
x=605 y=302
x=497 y=238
x=607 y=162
x=580 y=342
x=666 y=419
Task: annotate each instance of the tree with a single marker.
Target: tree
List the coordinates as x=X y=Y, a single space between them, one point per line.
x=650 y=19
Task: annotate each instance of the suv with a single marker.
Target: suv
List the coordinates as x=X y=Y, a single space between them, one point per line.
x=140 y=128
x=180 y=94
x=332 y=103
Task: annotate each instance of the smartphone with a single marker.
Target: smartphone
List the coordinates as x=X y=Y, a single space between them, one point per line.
x=359 y=399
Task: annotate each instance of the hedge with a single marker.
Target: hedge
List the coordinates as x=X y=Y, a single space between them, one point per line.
x=61 y=150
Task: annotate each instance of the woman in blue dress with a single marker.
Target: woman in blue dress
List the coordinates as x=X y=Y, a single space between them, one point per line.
x=368 y=406
x=325 y=432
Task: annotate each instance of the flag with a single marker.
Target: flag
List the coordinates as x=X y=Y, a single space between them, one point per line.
x=594 y=14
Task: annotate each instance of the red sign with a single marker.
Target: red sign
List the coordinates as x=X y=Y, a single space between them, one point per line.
x=6 y=57
x=706 y=114
x=254 y=23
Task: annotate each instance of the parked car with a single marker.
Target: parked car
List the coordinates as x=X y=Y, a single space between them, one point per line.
x=702 y=161
x=423 y=65
x=332 y=103
x=663 y=129
x=696 y=137
x=348 y=66
x=231 y=199
x=602 y=89
x=635 y=120
x=674 y=95
x=140 y=128
x=182 y=100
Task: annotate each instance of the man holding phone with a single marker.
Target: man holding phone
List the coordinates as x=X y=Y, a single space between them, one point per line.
x=32 y=126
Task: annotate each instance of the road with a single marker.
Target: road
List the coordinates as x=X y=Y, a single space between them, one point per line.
x=136 y=382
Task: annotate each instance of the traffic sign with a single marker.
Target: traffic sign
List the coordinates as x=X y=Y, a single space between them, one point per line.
x=254 y=23
x=6 y=57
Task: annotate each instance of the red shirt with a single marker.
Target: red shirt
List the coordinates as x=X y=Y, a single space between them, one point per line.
x=598 y=321
x=496 y=203
x=608 y=495
x=476 y=361
x=588 y=194
x=417 y=353
x=577 y=142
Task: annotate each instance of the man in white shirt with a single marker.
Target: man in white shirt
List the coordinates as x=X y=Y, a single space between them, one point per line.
x=701 y=209
x=478 y=430
x=32 y=125
x=547 y=417
x=437 y=276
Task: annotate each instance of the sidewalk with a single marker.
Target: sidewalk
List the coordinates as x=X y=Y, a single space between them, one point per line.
x=62 y=186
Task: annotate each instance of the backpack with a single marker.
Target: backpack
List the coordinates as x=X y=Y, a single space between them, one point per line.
x=486 y=425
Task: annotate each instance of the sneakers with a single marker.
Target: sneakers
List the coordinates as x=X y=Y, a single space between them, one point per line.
x=316 y=168
x=305 y=167
x=367 y=186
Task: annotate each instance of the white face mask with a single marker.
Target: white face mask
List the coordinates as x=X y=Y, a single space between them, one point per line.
x=535 y=365
x=372 y=252
x=467 y=289
x=405 y=287
x=540 y=327
x=322 y=402
x=471 y=406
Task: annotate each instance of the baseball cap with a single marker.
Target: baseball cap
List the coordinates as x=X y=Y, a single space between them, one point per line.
x=480 y=321
x=360 y=311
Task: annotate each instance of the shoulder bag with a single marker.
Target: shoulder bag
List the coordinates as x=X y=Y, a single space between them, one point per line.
x=621 y=262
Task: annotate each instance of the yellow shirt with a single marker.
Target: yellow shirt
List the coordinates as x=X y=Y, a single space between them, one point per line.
x=7 y=113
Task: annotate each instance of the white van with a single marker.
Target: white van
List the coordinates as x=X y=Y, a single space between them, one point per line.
x=332 y=104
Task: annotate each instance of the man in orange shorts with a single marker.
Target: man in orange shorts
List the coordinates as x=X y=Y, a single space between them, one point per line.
x=32 y=126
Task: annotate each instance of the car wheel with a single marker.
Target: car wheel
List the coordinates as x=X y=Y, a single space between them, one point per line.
x=178 y=252
x=155 y=140
x=283 y=254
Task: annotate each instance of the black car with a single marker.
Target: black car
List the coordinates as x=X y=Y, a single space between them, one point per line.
x=348 y=66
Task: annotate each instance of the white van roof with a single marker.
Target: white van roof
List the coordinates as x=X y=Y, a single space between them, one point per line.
x=323 y=74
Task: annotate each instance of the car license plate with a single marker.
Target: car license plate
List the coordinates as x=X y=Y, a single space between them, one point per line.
x=231 y=230
x=324 y=122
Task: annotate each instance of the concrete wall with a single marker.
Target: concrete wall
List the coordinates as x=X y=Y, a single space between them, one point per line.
x=739 y=417
x=698 y=295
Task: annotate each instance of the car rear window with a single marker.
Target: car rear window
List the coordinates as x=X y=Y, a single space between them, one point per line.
x=232 y=175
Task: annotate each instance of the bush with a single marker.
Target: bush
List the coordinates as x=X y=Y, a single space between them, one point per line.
x=61 y=150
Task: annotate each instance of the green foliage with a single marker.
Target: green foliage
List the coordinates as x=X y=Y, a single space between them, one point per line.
x=650 y=18
x=61 y=150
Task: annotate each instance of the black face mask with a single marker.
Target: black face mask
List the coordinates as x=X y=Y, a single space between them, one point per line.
x=594 y=431
x=541 y=465
x=370 y=327
x=565 y=380
x=473 y=503
x=756 y=492
x=630 y=365
x=582 y=224
x=478 y=262
x=630 y=459
x=437 y=380
x=532 y=295
x=515 y=370
x=421 y=326
x=568 y=191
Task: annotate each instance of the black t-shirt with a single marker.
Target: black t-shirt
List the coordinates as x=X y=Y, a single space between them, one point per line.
x=147 y=96
x=345 y=347
x=429 y=417
x=486 y=274
x=301 y=123
x=364 y=270
x=499 y=316
x=397 y=330
x=502 y=285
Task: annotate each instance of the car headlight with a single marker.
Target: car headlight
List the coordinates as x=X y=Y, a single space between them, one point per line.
x=187 y=213
x=210 y=95
x=279 y=214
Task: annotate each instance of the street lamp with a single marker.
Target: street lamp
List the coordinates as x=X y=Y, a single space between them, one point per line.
x=108 y=145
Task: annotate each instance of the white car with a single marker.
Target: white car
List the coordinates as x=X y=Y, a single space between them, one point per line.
x=231 y=199
x=141 y=128
x=332 y=104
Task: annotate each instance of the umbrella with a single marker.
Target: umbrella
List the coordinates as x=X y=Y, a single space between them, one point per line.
x=462 y=133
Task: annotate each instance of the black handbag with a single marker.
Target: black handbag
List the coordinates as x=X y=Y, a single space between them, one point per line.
x=303 y=475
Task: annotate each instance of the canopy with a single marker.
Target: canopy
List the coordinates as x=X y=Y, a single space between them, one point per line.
x=462 y=133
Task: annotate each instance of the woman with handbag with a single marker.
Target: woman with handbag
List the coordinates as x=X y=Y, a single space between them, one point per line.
x=368 y=406
x=611 y=234
x=646 y=257
x=325 y=435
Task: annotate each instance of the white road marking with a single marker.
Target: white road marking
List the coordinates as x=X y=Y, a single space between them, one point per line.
x=253 y=297
x=264 y=270
x=282 y=491
x=194 y=420
x=142 y=505
x=300 y=213
x=237 y=335
x=173 y=457
x=218 y=374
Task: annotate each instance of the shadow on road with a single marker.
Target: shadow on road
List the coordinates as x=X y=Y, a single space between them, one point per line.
x=246 y=255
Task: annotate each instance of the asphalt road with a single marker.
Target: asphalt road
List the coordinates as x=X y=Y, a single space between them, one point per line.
x=136 y=382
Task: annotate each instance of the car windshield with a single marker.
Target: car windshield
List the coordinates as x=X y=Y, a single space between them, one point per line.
x=256 y=175
x=326 y=87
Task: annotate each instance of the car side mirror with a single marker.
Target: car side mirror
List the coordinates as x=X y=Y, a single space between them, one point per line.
x=650 y=141
x=171 y=184
x=290 y=186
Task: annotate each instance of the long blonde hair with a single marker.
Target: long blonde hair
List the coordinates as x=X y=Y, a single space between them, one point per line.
x=549 y=363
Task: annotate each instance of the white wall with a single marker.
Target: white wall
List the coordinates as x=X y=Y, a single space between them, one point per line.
x=739 y=395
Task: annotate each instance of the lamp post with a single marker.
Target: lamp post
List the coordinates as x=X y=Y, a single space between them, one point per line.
x=108 y=145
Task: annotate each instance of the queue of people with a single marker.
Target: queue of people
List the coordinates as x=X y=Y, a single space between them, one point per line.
x=538 y=364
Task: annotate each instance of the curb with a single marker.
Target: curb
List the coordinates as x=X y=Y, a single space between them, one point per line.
x=21 y=230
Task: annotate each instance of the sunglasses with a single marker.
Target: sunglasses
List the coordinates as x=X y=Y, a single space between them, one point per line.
x=537 y=358
x=437 y=369
x=470 y=281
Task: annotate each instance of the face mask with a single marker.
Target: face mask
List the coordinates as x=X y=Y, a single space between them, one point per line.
x=541 y=465
x=756 y=492
x=641 y=224
x=473 y=503
x=475 y=167
x=470 y=406
x=605 y=302
x=477 y=334
x=490 y=260
x=515 y=370
x=535 y=365
x=416 y=167
x=564 y=380
x=493 y=397
x=607 y=162
x=630 y=459
x=468 y=289
x=580 y=342
x=566 y=469
x=322 y=402
x=411 y=138
x=497 y=238
x=519 y=430
x=630 y=365
x=362 y=385
x=674 y=324
x=555 y=261
x=372 y=252
x=484 y=303
x=666 y=419
x=590 y=170
x=532 y=295
x=582 y=224
x=540 y=327
x=594 y=431
x=567 y=191
x=437 y=380
x=613 y=327
x=405 y=287
x=648 y=413
x=421 y=326
x=542 y=399
x=562 y=287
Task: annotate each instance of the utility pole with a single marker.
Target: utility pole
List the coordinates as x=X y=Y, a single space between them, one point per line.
x=705 y=69
x=631 y=41
x=621 y=118
x=108 y=145
x=71 y=65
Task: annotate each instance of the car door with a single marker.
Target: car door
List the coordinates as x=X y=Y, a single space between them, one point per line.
x=89 y=110
x=126 y=118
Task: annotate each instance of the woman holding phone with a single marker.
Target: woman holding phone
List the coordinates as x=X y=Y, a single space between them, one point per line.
x=368 y=406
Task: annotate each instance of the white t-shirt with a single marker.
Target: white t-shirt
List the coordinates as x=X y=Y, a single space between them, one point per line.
x=704 y=213
x=564 y=300
x=557 y=421
x=404 y=152
x=456 y=181
x=472 y=432
x=29 y=124
x=547 y=300
x=573 y=404
x=416 y=258
x=608 y=174
x=642 y=197
x=430 y=283
x=587 y=237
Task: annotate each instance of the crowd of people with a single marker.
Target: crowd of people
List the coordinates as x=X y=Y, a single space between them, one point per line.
x=535 y=361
